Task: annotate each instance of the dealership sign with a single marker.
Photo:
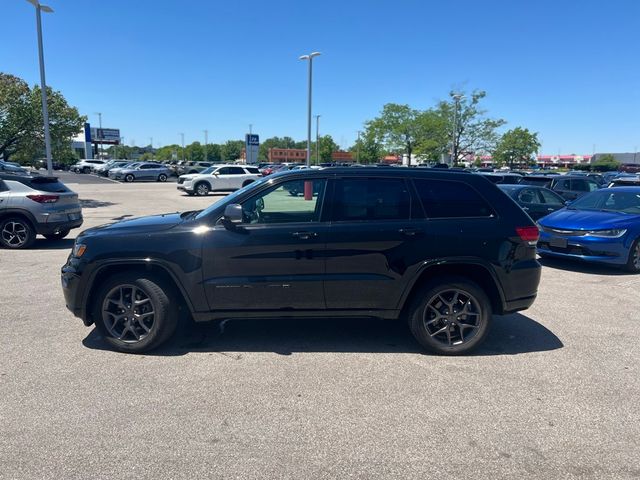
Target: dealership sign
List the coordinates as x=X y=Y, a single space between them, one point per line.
x=251 y=145
x=105 y=135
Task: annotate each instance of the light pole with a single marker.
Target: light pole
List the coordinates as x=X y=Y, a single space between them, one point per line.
x=182 y=136
x=99 y=131
x=317 y=139
x=454 y=148
x=43 y=83
x=151 y=147
x=206 y=142
x=310 y=58
x=358 y=148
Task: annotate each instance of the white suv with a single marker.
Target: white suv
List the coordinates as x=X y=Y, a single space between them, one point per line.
x=218 y=177
x=87 y=165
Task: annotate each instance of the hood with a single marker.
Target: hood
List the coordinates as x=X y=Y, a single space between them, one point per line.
x=189 y=176
x=141 y=225
x=569 y=219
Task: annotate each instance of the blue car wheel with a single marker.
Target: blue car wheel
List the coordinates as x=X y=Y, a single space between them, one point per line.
x=633 y=265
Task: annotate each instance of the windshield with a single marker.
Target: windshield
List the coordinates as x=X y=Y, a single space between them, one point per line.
x=609 y=200
x=229 y=199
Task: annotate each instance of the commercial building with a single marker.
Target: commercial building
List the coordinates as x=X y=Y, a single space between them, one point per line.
x=287 y=155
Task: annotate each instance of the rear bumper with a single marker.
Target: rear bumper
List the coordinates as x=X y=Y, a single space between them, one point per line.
x=51 y=228
x=519 y=304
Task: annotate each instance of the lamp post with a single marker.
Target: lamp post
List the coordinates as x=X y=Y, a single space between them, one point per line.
x=454 y=148
x=206 y=142
x=310 y=58
x=358 y=148
x=182 y=136
x=99 y=132
x=317 y=139
x=43 y=83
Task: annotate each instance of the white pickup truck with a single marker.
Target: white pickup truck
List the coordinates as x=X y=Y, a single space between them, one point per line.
x=218 y=177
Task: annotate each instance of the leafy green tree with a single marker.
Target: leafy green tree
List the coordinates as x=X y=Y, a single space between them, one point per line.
x=516 y=146
x=475 y=133
x=326 y=147
x=606 y=163
x=367 y=149
x=21 y=123
x=194 y=152
x=213 y=153
x=232 y=150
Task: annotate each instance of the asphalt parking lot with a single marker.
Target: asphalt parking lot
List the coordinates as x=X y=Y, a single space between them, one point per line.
x=553 y=393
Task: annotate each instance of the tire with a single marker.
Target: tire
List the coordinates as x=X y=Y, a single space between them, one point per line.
x=633 y=263
x=86 y=170
x=162 y=177
x=159 y=312
x=57 y=236
x=16 y=233
x=202 y=189
x=436 y=315
x=129 y=178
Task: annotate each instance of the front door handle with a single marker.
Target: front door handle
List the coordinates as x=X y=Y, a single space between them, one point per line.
x=410 y=232
x=304 y=235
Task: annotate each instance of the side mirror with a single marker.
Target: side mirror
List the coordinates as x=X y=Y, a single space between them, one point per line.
x=232 y=215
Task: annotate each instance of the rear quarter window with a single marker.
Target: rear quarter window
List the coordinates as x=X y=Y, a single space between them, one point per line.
x=48 y=185
x=451 y=199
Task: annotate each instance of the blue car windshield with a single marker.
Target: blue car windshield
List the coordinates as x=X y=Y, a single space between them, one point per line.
x=611 y=200
x=229 y=199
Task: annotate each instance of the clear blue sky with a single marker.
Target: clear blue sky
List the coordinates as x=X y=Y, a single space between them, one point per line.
x=567 y=69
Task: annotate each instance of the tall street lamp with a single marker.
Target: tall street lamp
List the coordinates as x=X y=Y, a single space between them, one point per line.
x=310 y=58
x=454 y=148
x=358 y=149
x=318 y=139
x=43 y=83
x=99 y=131
x=206 y=143
x=182 y=136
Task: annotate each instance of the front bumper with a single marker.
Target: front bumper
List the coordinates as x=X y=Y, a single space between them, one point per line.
x=70 y=280
x=185 y=187
x=611 y=251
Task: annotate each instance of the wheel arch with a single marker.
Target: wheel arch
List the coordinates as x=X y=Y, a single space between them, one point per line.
x=474 y=271
x=156 y=269
x=24 y=214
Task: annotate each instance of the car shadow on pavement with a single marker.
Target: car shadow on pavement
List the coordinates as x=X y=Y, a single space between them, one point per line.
x=509 y=335
x=90 y=203
x=582 y=267
x=44 y=244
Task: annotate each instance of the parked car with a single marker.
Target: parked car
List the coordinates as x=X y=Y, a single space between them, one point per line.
x=625 y=181
x=598 y=177
x=571 y=187
x=630 y=167
x=86 y=165
x=156 y=172
x=602 y=227
x=502 y=177
x=442 y=250
x=536 y=201
x=31 y=205
x=538 y=180
x=103 y=170
x=220 y=177
x=192 y=167
x=11 y=167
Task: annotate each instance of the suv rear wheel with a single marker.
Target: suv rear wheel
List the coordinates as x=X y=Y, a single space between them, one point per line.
x=450 y=316
x=135 y=313
x=16 y=232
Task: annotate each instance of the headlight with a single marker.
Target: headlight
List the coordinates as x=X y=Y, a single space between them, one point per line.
x=617 y=233
x=79 y=249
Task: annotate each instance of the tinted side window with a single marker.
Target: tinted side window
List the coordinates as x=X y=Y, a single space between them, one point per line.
x=563 y=185
x=3 y=186
x=550 y=198
x=579 y=185
x=223 y=171
x=236 y=171
x=47 y=185
x=528 y=195
x=371 y=199
x=253 y=170
x=446 y=199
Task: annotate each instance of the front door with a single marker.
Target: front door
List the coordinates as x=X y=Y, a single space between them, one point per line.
x=273 y=260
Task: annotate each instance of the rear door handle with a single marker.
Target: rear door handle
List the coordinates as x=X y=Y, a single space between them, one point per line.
x=410 y=232
x=304 y=235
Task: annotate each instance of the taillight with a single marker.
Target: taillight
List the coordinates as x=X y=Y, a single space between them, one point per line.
x=43 y=198
x=528 y=234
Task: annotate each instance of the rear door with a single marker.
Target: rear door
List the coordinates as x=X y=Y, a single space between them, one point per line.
x=229 y=178
x=377 y=230
x=531 y=202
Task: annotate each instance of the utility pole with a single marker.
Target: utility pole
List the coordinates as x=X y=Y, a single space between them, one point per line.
x=309 y=57
x=206 y=142
x=358 y=148
x=317 y=139
x=99 y=134
x=151 y=145
x=182 y=136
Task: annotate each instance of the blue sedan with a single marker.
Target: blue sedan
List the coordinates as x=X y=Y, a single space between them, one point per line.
x=603 y=226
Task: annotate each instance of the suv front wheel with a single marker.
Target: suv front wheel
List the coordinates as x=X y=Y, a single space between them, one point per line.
x=450 y=316
x=135 y=313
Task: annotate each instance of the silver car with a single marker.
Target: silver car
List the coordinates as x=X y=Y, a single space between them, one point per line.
x=31 y=205
x=142 y=171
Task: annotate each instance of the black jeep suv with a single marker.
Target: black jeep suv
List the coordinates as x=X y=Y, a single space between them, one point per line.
x=444 y=250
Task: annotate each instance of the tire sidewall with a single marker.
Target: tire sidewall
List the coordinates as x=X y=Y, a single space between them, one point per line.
x=165 y=320
x=129 y=178
x=630 y=267
x=197 y=189
x=162 y=177
x=427 y=292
